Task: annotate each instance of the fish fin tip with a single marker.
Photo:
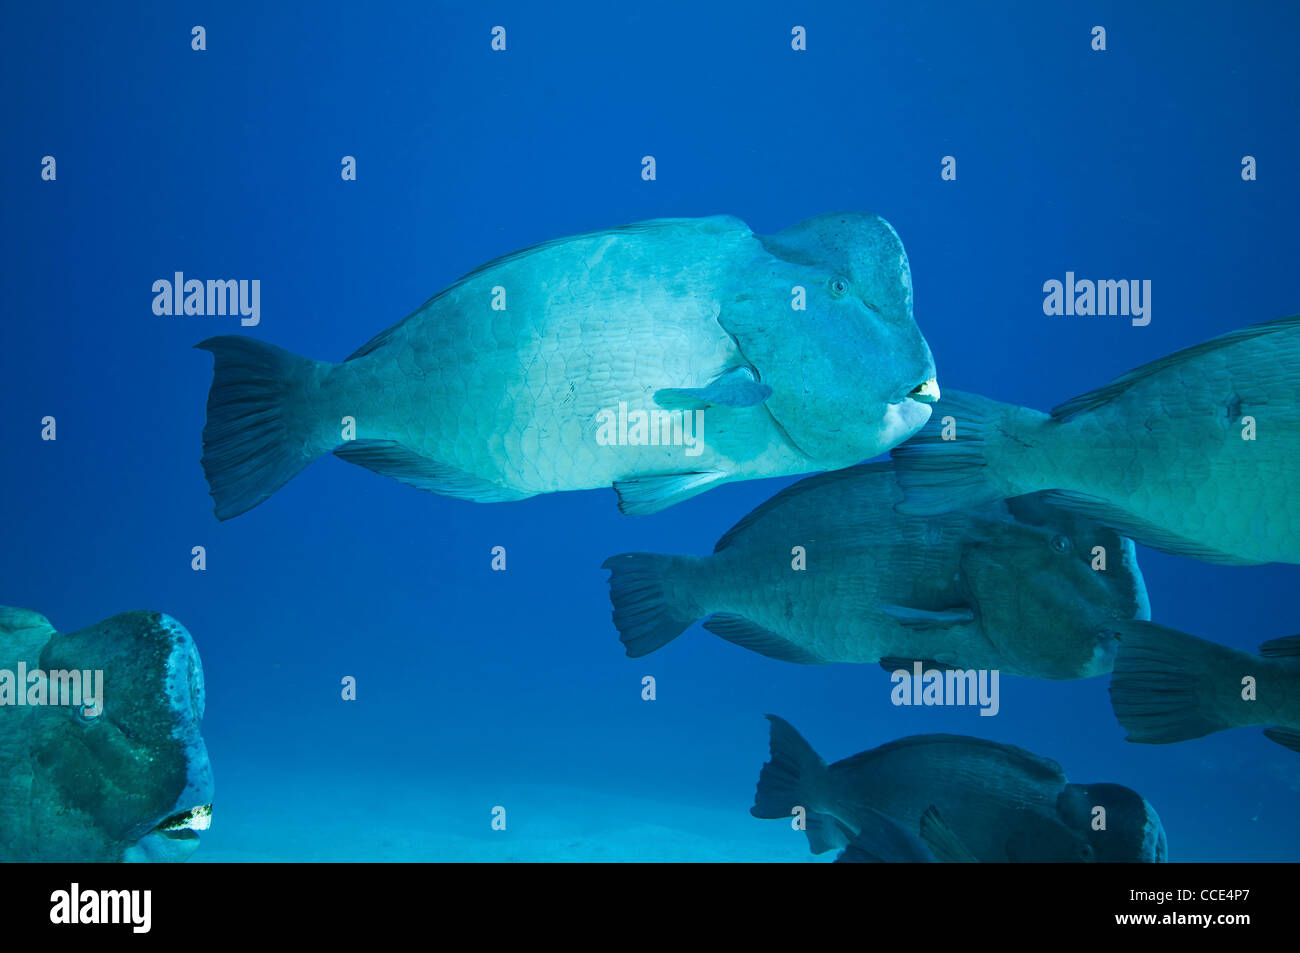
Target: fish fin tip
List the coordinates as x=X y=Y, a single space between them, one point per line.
x=1094 y=399
x=1286 y=737
x=1286 y=647
x=1138 y=529
x=650 y=494
x=943 y=843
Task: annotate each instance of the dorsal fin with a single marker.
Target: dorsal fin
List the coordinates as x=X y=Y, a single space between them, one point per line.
x=796 y=490
x=709 y=224
x=1136 y=528
x=1102 y=395
x=1035 y=765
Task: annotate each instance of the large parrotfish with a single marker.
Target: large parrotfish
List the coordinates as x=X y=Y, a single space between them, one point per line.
x=998 y=803
x=112 y=768
x=662 y=358
x=1010 y=585
x=1197 y=453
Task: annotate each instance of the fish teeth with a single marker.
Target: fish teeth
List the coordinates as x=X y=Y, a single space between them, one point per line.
x=927 y=393
x=195 y=819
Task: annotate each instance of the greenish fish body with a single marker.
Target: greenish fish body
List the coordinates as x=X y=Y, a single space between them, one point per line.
x=829 y=571
x=662 y=359
x=998 y=803
x=127 y=779
x=1197 y=453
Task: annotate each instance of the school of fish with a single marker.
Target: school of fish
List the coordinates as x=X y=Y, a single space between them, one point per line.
x=665 y=358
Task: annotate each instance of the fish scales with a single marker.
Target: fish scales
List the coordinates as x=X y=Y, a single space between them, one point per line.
x=504 y=385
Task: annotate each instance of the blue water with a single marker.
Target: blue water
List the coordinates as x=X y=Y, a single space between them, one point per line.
x=476 y=688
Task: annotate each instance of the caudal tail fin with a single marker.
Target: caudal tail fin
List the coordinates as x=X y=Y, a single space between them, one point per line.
x=651 y=607
x=952 y=462
x=792 y=784
x=257 y=435
x=1170 y=686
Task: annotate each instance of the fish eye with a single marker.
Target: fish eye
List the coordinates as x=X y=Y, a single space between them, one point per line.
x=1061 y=544
x=1086 y=852
x=839 y=286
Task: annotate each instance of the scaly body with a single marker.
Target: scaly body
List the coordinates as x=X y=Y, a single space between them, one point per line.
x=523 y=377
x=1159 y=454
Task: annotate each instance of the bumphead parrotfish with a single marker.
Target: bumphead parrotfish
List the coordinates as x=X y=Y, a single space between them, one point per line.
x=828 y=571
x=101 y=756
x=1170 y=686
x=1197 y=453
x=998 y=803
x=662 y=359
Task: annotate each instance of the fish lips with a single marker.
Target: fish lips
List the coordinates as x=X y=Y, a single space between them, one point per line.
x=907 y=411
x=173 y=840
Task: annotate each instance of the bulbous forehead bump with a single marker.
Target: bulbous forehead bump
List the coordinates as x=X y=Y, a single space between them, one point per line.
x=876 y=262
x=861 y=246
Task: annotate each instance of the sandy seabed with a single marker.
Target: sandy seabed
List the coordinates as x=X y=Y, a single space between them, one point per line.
x=296 y=819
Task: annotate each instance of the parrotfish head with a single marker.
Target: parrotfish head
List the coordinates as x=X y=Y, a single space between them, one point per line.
x=1050 y=586
x=1120 y=825
x=851 y=374
x=135 y=777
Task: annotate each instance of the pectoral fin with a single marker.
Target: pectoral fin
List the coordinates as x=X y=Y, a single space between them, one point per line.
x=883 y=840
x=928 y=618
x=736 y=388
x=943 y=843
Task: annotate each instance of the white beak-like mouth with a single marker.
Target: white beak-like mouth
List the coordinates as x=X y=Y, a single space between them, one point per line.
x=186 y=823
x=926 y=393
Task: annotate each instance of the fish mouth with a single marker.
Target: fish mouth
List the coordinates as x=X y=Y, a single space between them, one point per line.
x=185 y=825
x=927 y=392
x=174 y=840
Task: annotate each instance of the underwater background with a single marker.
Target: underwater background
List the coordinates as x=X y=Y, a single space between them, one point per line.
x=479 y=688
